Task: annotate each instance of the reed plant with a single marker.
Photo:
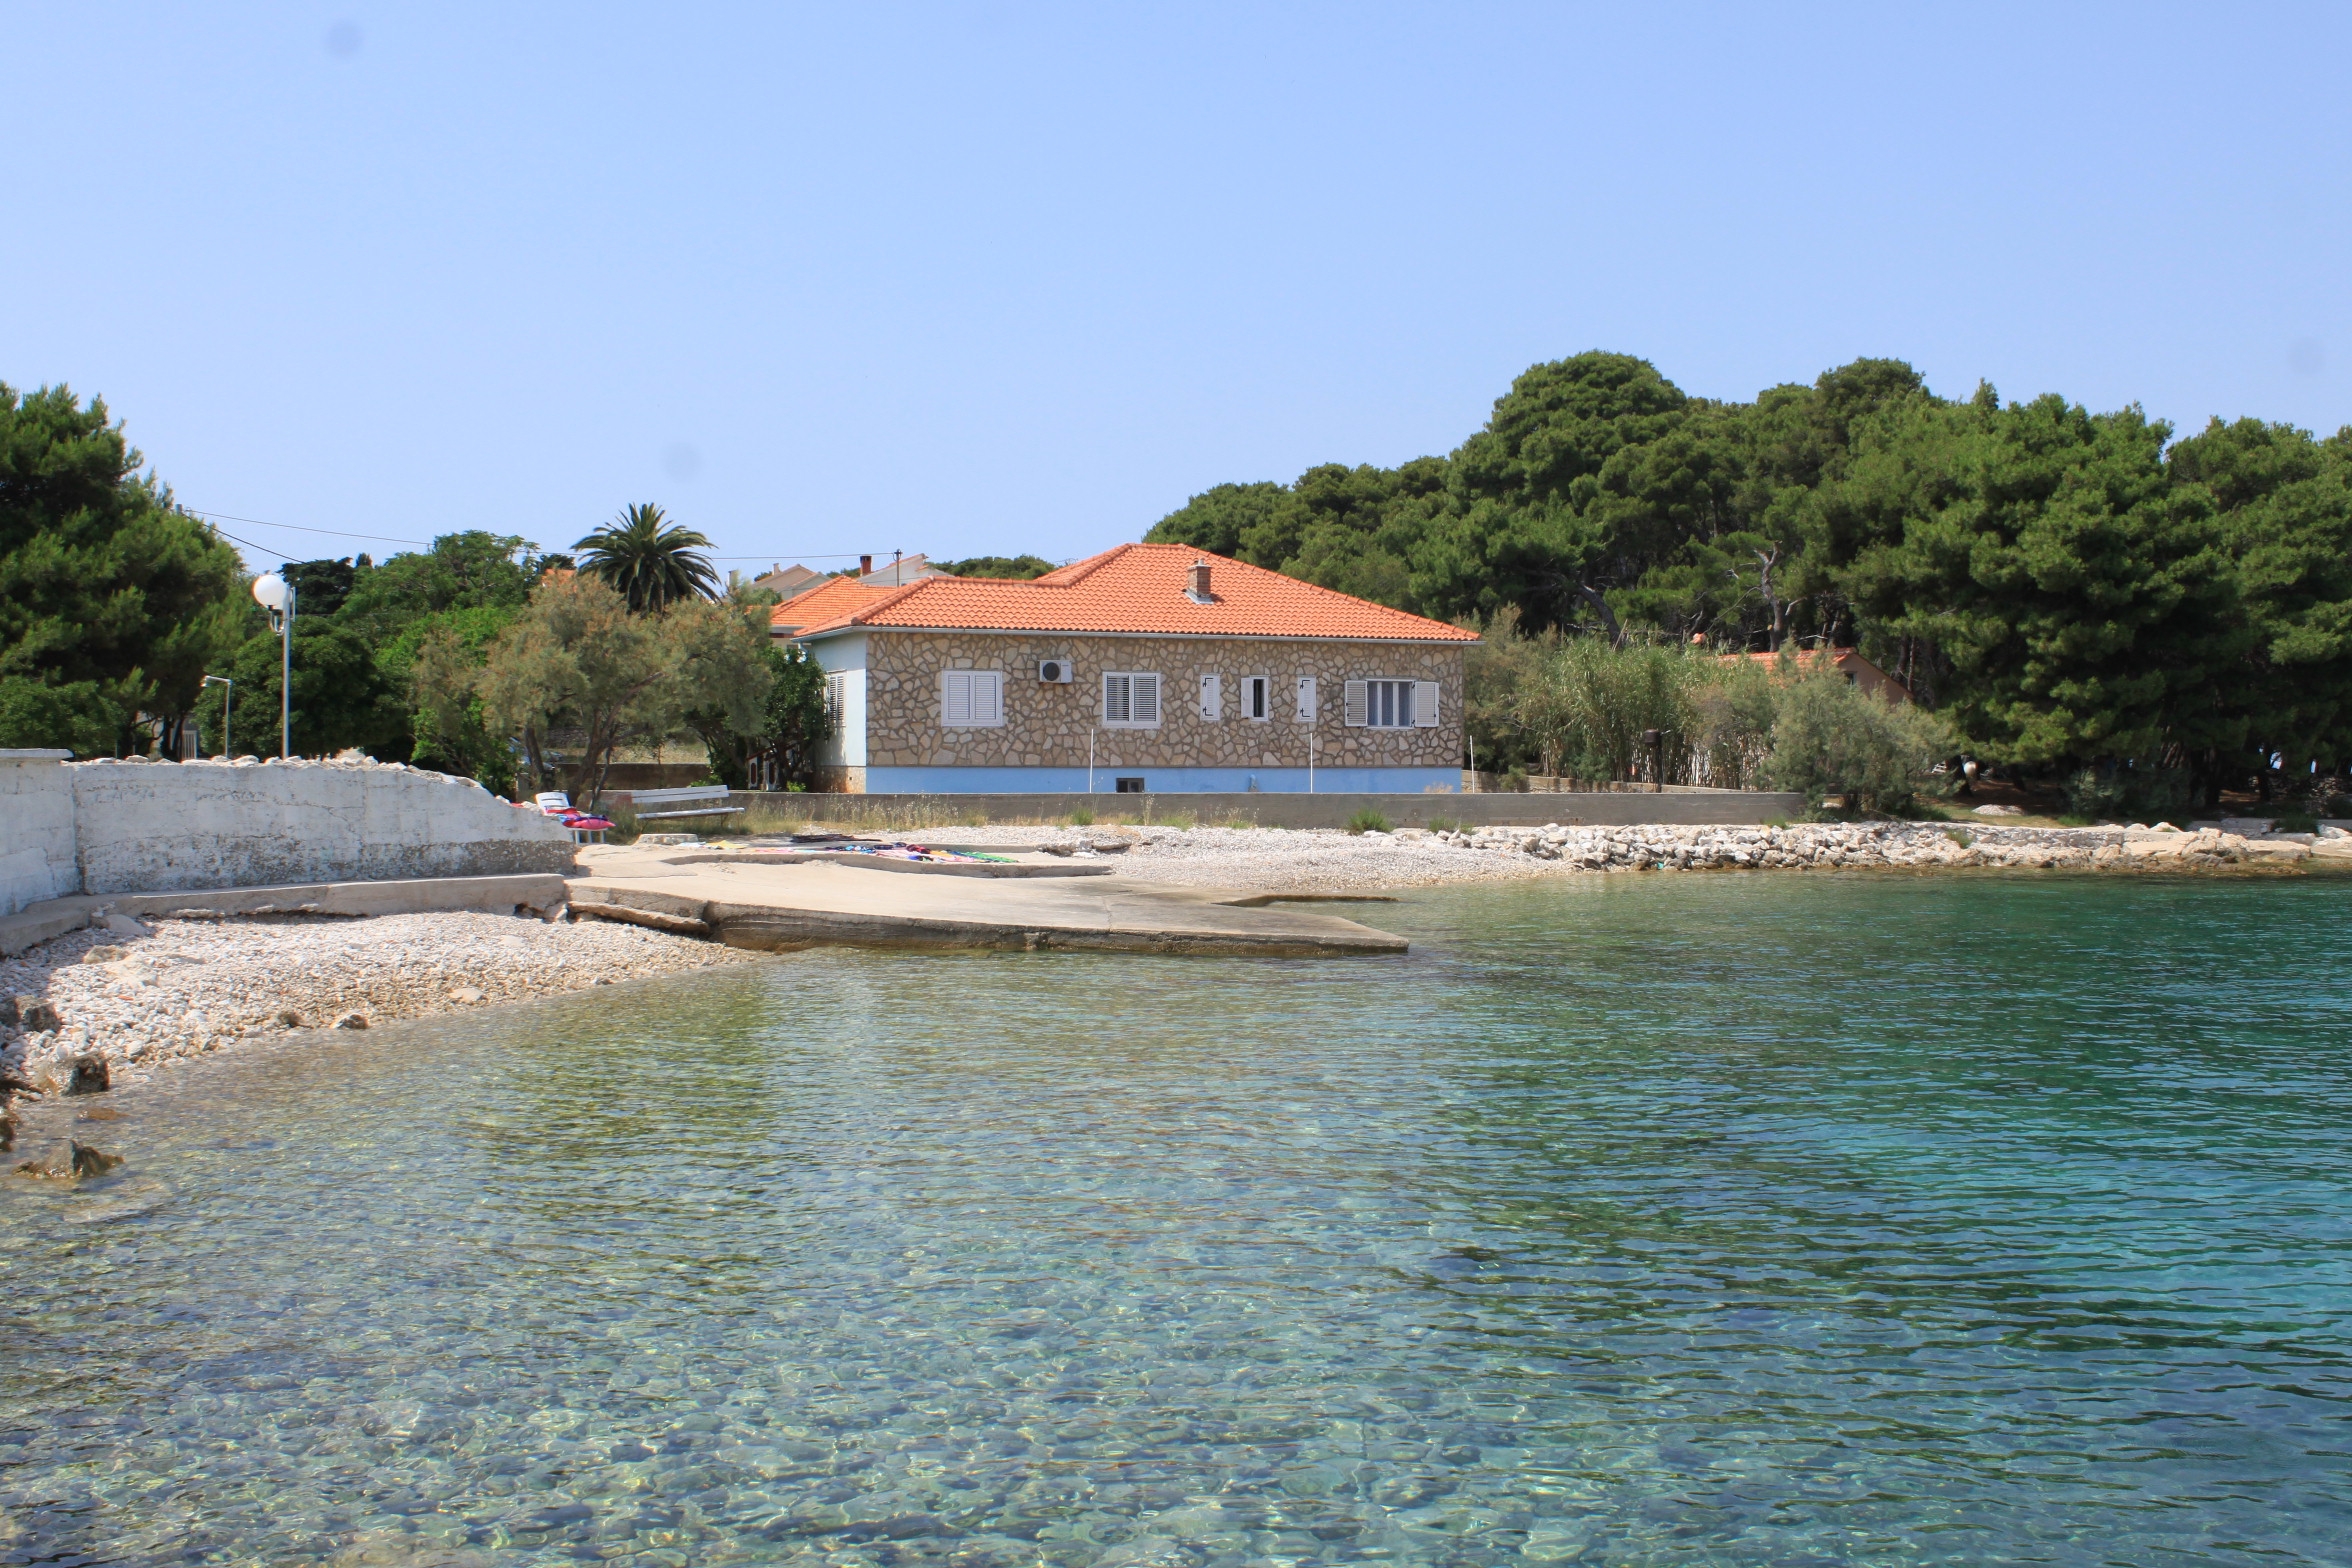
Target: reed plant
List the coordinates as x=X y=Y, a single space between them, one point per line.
x=1665 y=714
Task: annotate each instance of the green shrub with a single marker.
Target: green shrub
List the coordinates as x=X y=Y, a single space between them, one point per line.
x=1444 y=825
x=1083 y=817
x=1367 y=821
x=1830 y=738
x=2294 y=822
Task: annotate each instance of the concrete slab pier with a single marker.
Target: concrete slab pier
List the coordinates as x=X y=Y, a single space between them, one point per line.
x=802 y=903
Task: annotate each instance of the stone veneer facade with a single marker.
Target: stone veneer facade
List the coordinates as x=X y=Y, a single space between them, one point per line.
x=1048 y=726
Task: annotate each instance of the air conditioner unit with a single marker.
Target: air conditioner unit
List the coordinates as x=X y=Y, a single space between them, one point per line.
x=1056 y=672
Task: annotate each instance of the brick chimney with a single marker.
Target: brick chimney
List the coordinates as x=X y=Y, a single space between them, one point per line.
x=1198 y=592
x=865 y=566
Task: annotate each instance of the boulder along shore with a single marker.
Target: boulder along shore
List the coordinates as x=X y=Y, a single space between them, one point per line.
x=111 y=1005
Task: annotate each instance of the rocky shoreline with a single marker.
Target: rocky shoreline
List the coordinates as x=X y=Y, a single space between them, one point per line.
x=1327 y=861
x=1898 y=844
x=114 y=1004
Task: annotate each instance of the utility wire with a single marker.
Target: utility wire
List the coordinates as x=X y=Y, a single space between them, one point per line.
x=255 y=522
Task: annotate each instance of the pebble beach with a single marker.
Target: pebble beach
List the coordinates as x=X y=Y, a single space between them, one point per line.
x=142 y=998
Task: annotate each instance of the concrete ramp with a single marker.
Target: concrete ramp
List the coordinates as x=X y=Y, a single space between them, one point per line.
x=802 y=905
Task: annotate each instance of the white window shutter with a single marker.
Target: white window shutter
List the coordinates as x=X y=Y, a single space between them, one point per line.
x=988 y=697
x=1147 y=699
x=955 y=697
x=1425 y=705
x=1212 y=706
x=1115 y=696
x=1355 y=717
x=1306 y=699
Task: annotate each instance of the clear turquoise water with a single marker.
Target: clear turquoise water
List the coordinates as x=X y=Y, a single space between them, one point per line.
x=1651 y=1220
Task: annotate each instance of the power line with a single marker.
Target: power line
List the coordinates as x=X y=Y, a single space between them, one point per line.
x=305 y=529
x=214 y=519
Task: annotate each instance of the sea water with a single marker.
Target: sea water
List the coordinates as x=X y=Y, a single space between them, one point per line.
x=1698 y=1219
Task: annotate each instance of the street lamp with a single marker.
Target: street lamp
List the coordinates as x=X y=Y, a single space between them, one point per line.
x=228 y=699
x=276 y=595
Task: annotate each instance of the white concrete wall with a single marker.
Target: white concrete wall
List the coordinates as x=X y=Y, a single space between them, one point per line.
x=36 y=829
x=156 y=827
x=846 y=655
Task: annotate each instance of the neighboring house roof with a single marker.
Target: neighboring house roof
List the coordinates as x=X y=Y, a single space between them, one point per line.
x=1140 y=588
x=788 y=581
x=829 y=601
x=904 y=570
x=1846 y=661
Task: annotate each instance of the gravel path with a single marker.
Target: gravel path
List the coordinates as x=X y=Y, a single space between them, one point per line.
x=188 y=987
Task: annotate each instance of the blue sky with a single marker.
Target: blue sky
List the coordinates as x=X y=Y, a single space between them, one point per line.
x=987 y=279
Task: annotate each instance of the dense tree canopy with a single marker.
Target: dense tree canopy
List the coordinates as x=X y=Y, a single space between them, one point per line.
x=112 y=601
x=2068 y=589
x=1021 y=566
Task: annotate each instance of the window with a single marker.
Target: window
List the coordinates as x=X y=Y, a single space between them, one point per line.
x=971 y=699
x=1257 y=697
x=1212 y=704
x=1131 y=701
x=1306 y=699
x=836 y=698
x=1392 y=705
x=1128 y=786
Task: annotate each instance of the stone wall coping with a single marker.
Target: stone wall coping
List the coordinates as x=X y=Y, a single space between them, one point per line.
x=32 y=754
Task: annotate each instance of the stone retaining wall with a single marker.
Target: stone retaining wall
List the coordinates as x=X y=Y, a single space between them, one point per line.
x=134 y=826
x=1281 y=810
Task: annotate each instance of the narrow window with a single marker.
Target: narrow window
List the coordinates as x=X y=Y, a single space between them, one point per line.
x=1257 y=700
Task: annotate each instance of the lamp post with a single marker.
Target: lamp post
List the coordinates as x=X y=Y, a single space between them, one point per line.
x=276 y=595
x=228 y=700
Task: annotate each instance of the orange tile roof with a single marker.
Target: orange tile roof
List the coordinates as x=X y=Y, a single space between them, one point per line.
x=827 y=601
x=1846 y=661
x=1139 y=588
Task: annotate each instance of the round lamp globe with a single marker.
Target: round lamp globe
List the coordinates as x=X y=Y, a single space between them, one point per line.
x=269 y=591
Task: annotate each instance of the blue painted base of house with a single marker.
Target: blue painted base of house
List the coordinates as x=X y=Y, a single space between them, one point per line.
x=1159 y=781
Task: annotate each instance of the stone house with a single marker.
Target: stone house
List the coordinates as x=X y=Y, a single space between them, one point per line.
x=1145 y=668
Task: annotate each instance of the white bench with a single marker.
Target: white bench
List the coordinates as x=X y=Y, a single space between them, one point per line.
x=703 y=800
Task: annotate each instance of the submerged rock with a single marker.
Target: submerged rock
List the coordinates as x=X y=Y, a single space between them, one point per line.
x=34 y=1014
x=70 y=1161
x=351 y=1020
x=87 y=1074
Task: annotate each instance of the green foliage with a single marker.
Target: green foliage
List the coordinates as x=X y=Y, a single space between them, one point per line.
x=341 y=700
x=1829 y=738
x=652 y=562
x=1367 y=821
x=779 y=749
x=472 y=570
x=1022 y=567
x=577 y=658
x=113 y=603
x=1083 y=817
x=438 y=653
x=2064 y=589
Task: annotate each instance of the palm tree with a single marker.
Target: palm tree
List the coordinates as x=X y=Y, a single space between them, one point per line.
x=651 y=561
